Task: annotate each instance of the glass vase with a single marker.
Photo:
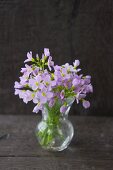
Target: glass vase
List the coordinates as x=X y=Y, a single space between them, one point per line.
x=55 y=132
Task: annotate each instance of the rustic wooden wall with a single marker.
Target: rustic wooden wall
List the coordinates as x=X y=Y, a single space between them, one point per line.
x=72 y=29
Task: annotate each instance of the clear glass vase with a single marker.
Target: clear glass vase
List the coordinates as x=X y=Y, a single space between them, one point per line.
x=55 y=131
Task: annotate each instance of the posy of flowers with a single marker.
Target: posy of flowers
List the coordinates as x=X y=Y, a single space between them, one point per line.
x=43 y=82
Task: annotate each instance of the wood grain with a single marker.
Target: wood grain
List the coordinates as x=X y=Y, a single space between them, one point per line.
x=33 y=163
x=91 y=148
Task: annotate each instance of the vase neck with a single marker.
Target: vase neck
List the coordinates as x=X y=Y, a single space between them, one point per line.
x=51 y=112
x=47 y=116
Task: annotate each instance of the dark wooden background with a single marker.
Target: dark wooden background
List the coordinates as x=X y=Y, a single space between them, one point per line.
x=81 y=29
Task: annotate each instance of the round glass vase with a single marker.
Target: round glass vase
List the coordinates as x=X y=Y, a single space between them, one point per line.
x=55 y=132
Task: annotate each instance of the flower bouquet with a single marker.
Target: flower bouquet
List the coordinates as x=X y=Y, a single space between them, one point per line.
x=53 y=89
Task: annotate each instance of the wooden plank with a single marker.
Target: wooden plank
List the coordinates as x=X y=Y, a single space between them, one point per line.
x=33 y=163
x=93 y=138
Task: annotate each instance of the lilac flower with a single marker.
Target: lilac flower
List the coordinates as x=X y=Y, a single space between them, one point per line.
x=41 y=85
x=77 y=70
x=29 y=57
x=62 y=94
x=86 y=104
x=76 y=63
x=20 y=93
x=23 y=70
x=80 y=96
x=47 y=79
x=37 y=107
x=48 y=82
x=28 y=96
x=35 y=83
x=87 y=79
x=25 y=95
x=17 y=85
x=17 y=91
x=57 y=68
x=61 y=75
x=25 y=77
x=89 y=88
x=63 y=109
x=36 y=98
x=36 y=71
x=51 y=102
x=38 y=78
x=24 y=80
x=57 y=75
x=50 y=63
x=76 y=82
x=69 y=68
x=27 y=70
x=64 y=73
x=46 y=52
x=44 y=95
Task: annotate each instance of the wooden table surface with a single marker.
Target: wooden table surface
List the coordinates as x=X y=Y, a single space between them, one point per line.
x=91 y=148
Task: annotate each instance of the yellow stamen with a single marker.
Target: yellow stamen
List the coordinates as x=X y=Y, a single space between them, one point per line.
x=37 y=83
x=43 y=94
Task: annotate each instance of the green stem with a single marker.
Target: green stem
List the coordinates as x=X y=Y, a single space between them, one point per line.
x=53 y=124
